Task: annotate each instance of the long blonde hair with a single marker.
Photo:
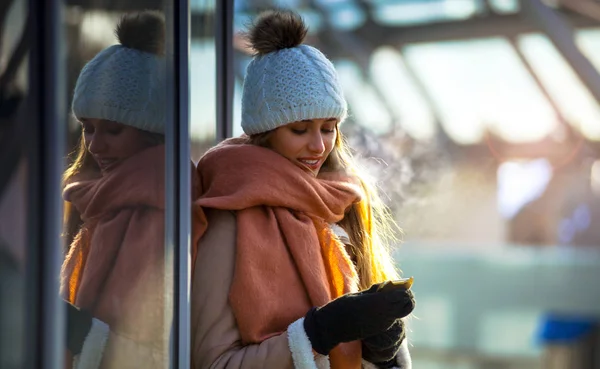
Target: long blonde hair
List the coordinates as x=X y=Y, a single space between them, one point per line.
x=369 y=224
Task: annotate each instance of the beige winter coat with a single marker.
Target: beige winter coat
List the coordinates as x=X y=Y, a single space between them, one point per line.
x=215 y=339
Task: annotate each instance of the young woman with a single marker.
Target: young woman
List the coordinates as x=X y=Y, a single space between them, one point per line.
x=114 y=271
x=290 y=259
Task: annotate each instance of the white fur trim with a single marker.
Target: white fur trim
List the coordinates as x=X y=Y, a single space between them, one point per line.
x=93 y=347
x=403 y=357
x=322 y=361
x=301 y=348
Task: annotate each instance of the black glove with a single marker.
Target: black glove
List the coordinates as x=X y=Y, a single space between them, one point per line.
x=79 y=323
x=356 y=316
x=382 y=348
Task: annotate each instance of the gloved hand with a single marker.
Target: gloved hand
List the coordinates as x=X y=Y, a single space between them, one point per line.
x=356 y=316
x=382 y=348
x=79 y=323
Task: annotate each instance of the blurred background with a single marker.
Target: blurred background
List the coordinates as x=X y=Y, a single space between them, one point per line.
x=480 y=121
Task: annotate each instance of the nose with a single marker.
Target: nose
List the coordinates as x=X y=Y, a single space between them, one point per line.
x=316 y=144
x=96 y=144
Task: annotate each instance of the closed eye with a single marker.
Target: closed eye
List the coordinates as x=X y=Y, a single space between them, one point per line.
x=115 y=130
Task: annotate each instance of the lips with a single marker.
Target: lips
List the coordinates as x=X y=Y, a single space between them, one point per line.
x=106 y=163
x=311 y=163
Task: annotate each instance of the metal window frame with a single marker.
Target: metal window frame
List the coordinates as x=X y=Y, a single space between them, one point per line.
x=178 y=181
x=562 y=35
x=225 y=73
x=46 y=101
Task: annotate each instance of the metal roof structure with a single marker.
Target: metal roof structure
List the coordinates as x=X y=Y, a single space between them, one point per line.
x=517 y=71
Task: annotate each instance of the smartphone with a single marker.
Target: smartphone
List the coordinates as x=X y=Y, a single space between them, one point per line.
x=405 y=284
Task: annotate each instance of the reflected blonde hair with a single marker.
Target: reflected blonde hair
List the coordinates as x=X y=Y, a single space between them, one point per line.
x=82 y=165
x=369 y=224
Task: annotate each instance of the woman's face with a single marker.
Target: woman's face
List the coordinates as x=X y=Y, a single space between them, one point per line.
x=110 y=142
x=306 y=143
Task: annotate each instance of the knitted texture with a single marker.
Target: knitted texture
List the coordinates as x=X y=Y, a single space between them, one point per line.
x=123 y=85
x=290 y=85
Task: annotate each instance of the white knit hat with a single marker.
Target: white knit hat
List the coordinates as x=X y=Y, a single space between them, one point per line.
x=287 y=81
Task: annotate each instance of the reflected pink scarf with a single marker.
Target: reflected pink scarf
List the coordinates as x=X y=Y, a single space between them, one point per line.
x=115 y=267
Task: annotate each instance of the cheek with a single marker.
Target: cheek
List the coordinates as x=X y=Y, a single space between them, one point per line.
x=127 y=144
x=330 y=143
x=87 y=138
x=285 y=144
x=296 y=145
x=141 y=143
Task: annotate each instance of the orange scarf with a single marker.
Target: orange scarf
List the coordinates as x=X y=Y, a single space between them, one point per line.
x=287 y=259
x=115 y=266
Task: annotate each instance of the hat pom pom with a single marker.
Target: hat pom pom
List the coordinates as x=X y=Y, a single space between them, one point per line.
x=276 y=30
x=144 y=31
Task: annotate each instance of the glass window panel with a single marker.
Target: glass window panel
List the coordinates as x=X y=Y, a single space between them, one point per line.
x=118 y=158
x=347 y=17
x=589 y=42
x=334 y=3
x=240 y=20
x=504 y=6
x=202 y=6
x=241 y=61
x=366 y=108
x=404 y=13
x=481 y=84
x=573 y=99
x=343 y=14
x=202 y=84
x=290 y=4
x=13 y=204
x=13 y=188
x=203 y=99
x=411 y=110
x=237 y=110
